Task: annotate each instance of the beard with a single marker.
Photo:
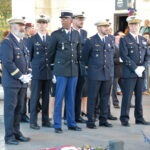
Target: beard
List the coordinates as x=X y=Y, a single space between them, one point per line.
x=19 y=34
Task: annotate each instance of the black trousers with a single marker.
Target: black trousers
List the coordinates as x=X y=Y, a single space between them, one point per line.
x=39 y=87
x=24 y=107
x=114 y=90
x=94 y=88
x=13 y=101
x=78 y=98
x=132 y=85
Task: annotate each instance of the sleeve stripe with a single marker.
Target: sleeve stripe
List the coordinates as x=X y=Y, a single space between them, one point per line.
x=15 y=72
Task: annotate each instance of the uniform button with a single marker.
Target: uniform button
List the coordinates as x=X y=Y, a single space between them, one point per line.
x=72 y=55
x=105 y=61
x=104 y=55
x=72 y=49
x=46 y=53
x=72 y=61
x=105 y=50
x=104 y=66
x=47 y=65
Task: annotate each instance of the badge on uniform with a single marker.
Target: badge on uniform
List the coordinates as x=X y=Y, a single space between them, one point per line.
x=130 y=43
x=17 y=48
x=97 y=45
x=37 y=44
x=109 y=45
x=63 y=46
x=18 y=56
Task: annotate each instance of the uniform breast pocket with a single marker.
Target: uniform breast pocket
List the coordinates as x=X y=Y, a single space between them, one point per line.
x=96 y=53
x=18 y=55
x=130 y=46
x=63 y=45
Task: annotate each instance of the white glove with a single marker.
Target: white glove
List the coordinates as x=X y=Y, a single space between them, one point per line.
x=120 y=59
x=54 y=79
x=25 y=78
x=139 y=70
x=142 y=68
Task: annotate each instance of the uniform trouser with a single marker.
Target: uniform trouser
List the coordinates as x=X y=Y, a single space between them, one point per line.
x=130 y=85
x=116 y=81
x=102 y=88
x=24 y=107
x=13 y=101
x=78 y=98
x=65 y=87
x=39 y=87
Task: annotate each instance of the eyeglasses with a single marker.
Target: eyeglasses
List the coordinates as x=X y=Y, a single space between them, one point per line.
x=43 y=22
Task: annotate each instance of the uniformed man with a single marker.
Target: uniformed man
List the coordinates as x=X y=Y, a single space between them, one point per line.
x=135 y=55
x=78 y=21
x=41 y=72
x=29 y=31
x=15 y=76
x=98 y=56
x=64 y=51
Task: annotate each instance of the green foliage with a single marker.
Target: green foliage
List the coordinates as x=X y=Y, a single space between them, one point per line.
x=5 y=13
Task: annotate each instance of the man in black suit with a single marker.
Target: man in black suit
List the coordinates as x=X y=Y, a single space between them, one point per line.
x=41 y=72
x=29 y=31
x=135 y=55
x=78 y=20
x=117 y=71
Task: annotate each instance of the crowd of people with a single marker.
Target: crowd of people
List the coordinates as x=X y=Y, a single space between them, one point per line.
x=76 y=74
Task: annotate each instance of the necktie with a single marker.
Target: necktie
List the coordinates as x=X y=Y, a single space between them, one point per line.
x=69 y=36
x=136 y=39
x=44 y=39
x=103 y=40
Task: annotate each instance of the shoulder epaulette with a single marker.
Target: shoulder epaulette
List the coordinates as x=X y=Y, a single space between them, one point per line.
x=7 y=38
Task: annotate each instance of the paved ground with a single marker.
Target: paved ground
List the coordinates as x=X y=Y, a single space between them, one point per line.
x=45 y=137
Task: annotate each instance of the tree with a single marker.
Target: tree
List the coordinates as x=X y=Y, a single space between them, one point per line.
x=5 y=13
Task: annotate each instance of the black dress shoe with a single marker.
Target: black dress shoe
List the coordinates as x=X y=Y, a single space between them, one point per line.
x=83 y=114
x=143 y=122
x=111 y=117
x=65 y=122
x=47 y=124
x=25 y=119
x=58 y=130
x=76 y=128
x=91 y=126
x=126 y=124
x=12 y=142
x=80 y=120
x=34 y=126
x=105 y=124
x=132 y=106
x=23 y=139
x=116 y=106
